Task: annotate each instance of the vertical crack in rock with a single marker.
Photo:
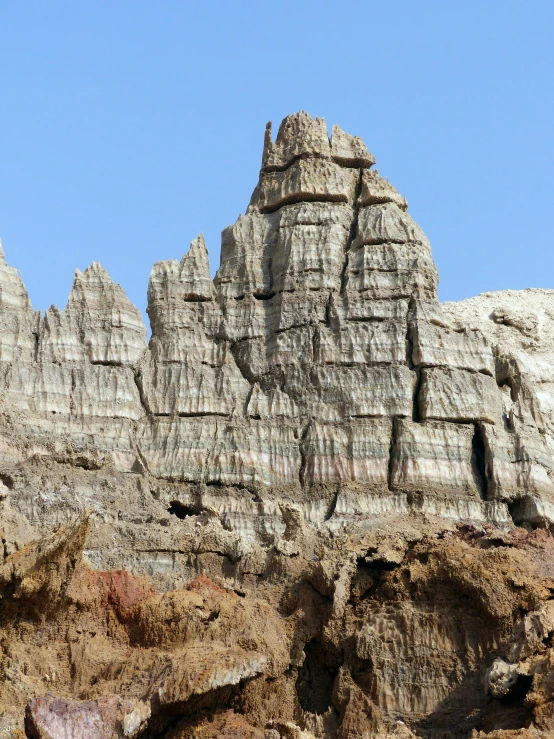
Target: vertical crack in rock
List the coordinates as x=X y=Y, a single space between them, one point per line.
x=392 y=446
x=409 y=338
x=241 y=363
x=478 y=461
x=353 y=231
x=416 y=414
x=332 y=507
x=36 y=340
x=303 y=456
x=142 y=395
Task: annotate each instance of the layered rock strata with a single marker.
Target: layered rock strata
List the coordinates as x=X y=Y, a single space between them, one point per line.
x=317 y=367
x=314 y=402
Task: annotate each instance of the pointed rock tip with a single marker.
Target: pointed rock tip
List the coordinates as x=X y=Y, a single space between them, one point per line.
x=94 y=268
x=300 y=135
x=195 y=272
x=377 y=189
x=198 y=244
x=350 y=150
x=299 y=122
x=197 y=251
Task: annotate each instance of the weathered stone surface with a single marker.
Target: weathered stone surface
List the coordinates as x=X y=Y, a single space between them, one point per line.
x=388 y=224
x=347 y=453
x=193 y=388
x=348 y=150
x=518 y=462
x=363 y=343
x=224 y=725
x=305 y=180
x=183 y=314
x=50 y=717
x=177 y=448
x=435 y=457
x=363 y=391
x=188 y=280
x=201 y=449
x=361 y=307
x=275 y=404
x=111 y=329
x=501 y=678
x=255 y=453
x=521 y=324
x=310 y=247
x=246 y=250
x=58 y=338
x=436 y=346
x=39 y=388
x=391 y=271
x=299 y=135
x=219 y=667
x=457 y=395
x=99 y=324
x=376 y=190
x=109 y=392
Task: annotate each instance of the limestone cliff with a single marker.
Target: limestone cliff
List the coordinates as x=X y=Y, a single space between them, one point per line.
x=292 y=512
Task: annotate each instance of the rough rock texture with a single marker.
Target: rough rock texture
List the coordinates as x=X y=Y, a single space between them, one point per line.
x=317 y=503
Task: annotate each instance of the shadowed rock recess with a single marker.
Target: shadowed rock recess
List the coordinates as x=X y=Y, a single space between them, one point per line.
x=317 y=504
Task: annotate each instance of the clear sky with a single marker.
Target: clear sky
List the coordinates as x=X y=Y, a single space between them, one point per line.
x=127 y=127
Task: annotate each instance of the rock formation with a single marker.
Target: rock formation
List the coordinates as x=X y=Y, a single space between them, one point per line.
x=317 y=503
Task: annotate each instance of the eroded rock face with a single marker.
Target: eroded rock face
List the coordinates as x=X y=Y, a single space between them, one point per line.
x=300 y=493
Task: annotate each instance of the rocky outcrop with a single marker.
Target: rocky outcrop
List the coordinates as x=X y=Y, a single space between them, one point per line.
x=301 y=492
x=409 y=634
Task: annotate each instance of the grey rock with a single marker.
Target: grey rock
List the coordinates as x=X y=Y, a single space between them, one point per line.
x=457 y=395
x=434 y=457
x=305 y=180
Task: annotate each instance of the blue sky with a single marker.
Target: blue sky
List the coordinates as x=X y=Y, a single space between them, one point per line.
x=127 y=128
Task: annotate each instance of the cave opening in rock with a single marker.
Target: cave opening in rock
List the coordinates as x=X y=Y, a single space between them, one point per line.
x=7 y=480
x=523 y=512
x=181 y=510
x=517 y=694
x=316 y=677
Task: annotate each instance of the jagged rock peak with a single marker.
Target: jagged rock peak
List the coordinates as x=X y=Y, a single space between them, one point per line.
x=300 y=135
x=188 y=280
x=304 y=165
x=195 y=271
x=95 y=287
x=17 y=317
x=99 y=324
x=13 y=294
